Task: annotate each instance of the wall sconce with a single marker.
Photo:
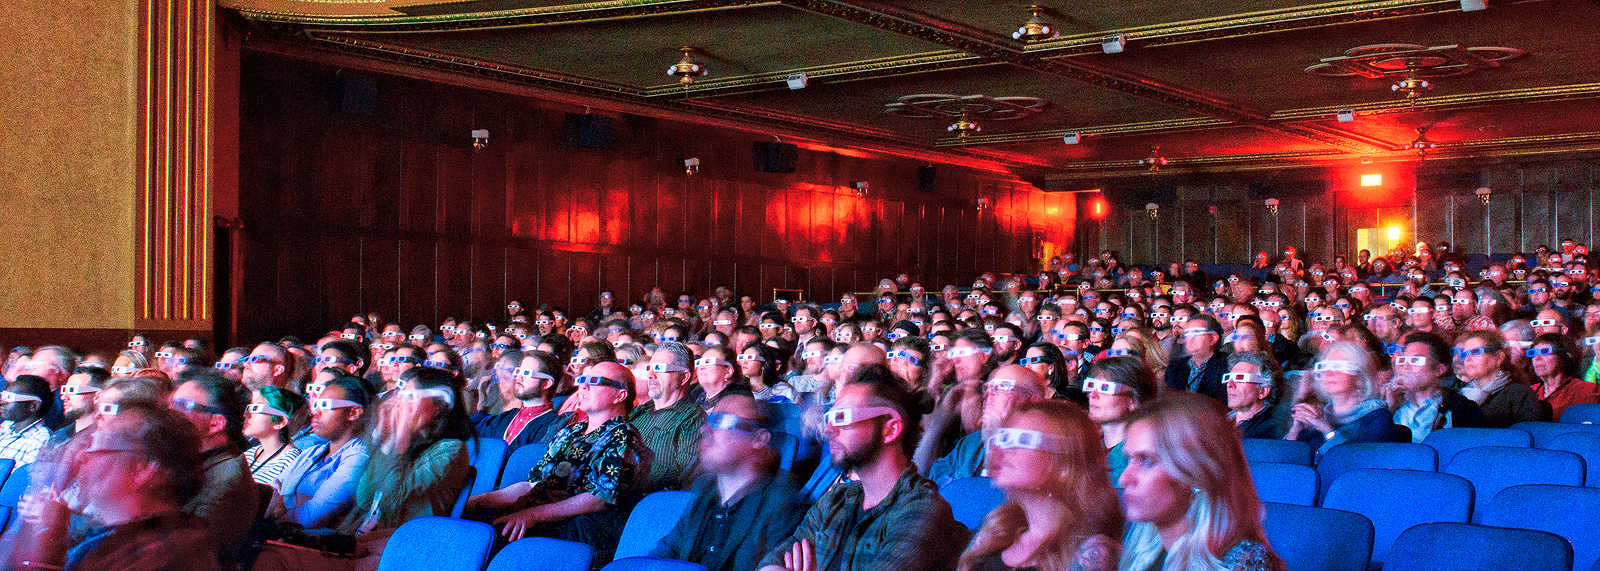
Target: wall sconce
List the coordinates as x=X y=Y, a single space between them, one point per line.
x=480 y=138
x=1153 y=210
x=691 y=166
x=1272 y=206
x=1483 y=194
x=983 y=203
x=861 y=188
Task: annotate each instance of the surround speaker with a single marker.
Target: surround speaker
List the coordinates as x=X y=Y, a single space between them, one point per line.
x=774 y=157
x=588 y=131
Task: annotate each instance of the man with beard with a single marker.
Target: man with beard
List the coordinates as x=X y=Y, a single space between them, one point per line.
x=77 y=398
x=533 y=419
x=670 y=421
x=23 y=433
x=1008 y=343
x=268 y=365
x=889 y=518
x=1008 y=387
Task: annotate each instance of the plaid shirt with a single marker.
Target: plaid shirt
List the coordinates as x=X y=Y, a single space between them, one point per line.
x=23 y=445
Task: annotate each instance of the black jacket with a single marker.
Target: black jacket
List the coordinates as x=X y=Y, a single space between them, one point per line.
x=1210 y=379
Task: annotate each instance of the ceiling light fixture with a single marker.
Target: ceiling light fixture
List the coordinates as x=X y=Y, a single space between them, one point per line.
x=1421 y=145
x=1035 y=28
x=1412 y=86
x=687 y=70
x=964 y=127
x=1155 y=160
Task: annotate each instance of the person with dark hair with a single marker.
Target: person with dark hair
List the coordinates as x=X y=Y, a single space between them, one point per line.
x=269 y=364
x=24 y=433
x=318 y=488
x=346 y=354
x=1200 y=368
x=1554 y=361
x=592 y=469
x=889 y=518
x=533 y=419
x=1117 y=386
x=78 y=401
x=1420 y=394
x=761 y=366
x=135 y=473
x=1046 y=360
x=743 y=506
x=274 y=416
x=1481 y=362
x=216 y=408
x=1252 y=384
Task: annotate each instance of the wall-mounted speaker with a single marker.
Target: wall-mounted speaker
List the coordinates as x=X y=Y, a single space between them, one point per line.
x=357 y=94
x=588 y=131
x=775 y=157
x=927 y=179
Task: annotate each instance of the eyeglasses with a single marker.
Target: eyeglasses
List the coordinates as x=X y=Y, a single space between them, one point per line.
x=1102 y=386
x=936 y=346
x=108 y=409
x=665 y=368
x=730 y=421
x=1336 y=366
x=227 y=365
x=330 y=360
x=959 y=352
x=769 y=326
x=135 y=344
x=8 y=396
x=1036 y=360
x=1196 y=332
x=1591 y=341
x=705 y=362
x=1542 y=323
x=415 y=395
x=330 y=403
x=811 y=354
x=163 y=354
x=1411 y=360
x=1007 y=385
x=1024 y=439
x=263 y=408
x=748 y=357
x=1536 y=290
x=1179 y=319
x=79 y=390
x=529 y=373
x=1418 y=310
x=1121 y=353
x=849 y=416
x=1251 y=378
x=1459 y=353
x=833 y=359
x=189 y=405
x=1540 y=351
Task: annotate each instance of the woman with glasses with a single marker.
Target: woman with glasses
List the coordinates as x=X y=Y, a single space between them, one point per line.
x=1481 y=362
x=272 y=418
x=1116 y=386
x=1059 y=513
x=1343 y=378
x=1190 y=503
x=1140 y=343
x=1046 y=360
x=1553 y=361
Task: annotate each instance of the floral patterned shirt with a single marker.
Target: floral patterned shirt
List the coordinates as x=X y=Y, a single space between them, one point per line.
x=609 y=463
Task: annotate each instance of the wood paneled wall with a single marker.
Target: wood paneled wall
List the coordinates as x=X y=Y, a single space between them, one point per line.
x=390 y=209
x=1533 y=202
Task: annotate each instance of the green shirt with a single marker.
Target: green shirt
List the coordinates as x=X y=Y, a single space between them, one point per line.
x=1118 y=461
x=394 y=493
x=673 y=435
x=912 y=529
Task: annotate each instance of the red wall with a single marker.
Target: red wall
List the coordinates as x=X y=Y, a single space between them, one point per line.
x=394 y=211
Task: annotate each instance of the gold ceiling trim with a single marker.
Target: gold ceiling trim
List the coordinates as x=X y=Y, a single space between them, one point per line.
x=1443 y=102
x=474 y=64
x=536 y=16
x=1184 y=124
x=850 y=71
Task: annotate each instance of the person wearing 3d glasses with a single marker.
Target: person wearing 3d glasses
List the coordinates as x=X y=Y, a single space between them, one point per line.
x=1481 y=362
x=1419 y=394
x=24 y=433
x=1009 y=387
x=1554 y=363
x=272 y=418
x=78 y=400
x=216 y=407
x=593 y=467
x=1116 y=387
x=669 y=423
x=743 y=506
x=889 y=517
x=1252 y=380
x=319 y=487
x=1343 y=379
x=1059 y=513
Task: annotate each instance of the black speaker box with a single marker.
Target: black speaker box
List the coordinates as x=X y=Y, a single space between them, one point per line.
x=775 y=157
x=586 y=131
x=927 y=179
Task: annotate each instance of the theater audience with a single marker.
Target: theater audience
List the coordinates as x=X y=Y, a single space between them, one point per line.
x=1419 y=395
x=889 y=518
x=1554 y=362
x=1008 y=387
x=23 y=432
x=577 y=491
x=1481 y=362
x=1347 y=408
x=743 y=506
x=718 y=377
x=1059 y=512
x=1187 y=505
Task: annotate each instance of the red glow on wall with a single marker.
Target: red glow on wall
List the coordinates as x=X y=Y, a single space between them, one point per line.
x=1375 y=186
x=1098 y=208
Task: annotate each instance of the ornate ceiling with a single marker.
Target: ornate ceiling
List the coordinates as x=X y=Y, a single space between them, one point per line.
x=1245 y=84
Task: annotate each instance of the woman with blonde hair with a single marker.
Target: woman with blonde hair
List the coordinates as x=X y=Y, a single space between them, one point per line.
x=1190 y=500
x=1142 y=344
x=1060 y=512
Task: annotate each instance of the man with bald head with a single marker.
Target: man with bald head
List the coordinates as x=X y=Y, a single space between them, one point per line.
x=1549 y=321
x=743 y=506
x=860 y=355
x=1008 y=386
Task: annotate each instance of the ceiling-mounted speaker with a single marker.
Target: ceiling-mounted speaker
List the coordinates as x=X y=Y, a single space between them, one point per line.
x=927 y=179
x=1473 y=5
x=587 y=131
x=1347 y=115
x=775 y=157
x=1114 y=44
x=1072 y=138
x=798 y=80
